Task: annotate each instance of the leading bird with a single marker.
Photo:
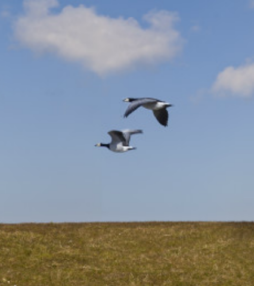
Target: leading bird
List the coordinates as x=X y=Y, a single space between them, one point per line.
x=120 y=140
x=158 y=107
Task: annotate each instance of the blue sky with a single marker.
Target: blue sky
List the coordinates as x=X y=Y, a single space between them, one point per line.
x=65 y=68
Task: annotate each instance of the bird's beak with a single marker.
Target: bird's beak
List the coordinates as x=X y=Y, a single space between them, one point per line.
x=126 y=100
x=97 y=145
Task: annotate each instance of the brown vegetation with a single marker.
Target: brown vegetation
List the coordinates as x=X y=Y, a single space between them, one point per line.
x=158 y=253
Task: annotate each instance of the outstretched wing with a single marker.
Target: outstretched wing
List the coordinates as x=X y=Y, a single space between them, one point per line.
x=162 y=116
x=136 y=104
x=117 y=136
x=127 y=135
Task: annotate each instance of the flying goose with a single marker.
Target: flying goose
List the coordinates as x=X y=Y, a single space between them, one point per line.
x=120 y=140
x=157 y=106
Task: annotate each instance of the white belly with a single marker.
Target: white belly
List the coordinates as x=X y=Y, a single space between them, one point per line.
x=154 y=105
x=118 y=147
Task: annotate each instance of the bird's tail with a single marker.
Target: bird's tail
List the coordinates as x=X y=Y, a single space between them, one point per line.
x=132 y=148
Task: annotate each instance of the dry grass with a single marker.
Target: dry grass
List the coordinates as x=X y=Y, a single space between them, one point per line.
x=84 y=254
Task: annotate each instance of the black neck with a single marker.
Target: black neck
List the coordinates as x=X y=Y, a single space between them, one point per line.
x=104 y=145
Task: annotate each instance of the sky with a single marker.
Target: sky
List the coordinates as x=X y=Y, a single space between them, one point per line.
x=66 y=67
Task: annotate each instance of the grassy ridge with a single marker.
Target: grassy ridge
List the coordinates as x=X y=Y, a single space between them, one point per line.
x=83 y=254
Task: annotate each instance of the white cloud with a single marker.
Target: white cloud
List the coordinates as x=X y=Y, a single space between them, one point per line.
x=100 y=43
x=5 y=12
x=236 y=81
x=195 y=28
x=251 y=3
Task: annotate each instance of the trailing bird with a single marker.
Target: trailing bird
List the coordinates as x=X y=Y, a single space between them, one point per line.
x=120 y=140
x=158 y=107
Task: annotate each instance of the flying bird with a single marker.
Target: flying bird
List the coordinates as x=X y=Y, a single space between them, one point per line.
x=120 y=140
x=158 y=107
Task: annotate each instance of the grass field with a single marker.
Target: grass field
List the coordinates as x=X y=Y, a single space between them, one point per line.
x=156 y=253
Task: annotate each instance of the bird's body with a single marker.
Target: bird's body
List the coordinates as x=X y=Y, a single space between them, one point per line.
x=120 y=140
x=158 y=107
